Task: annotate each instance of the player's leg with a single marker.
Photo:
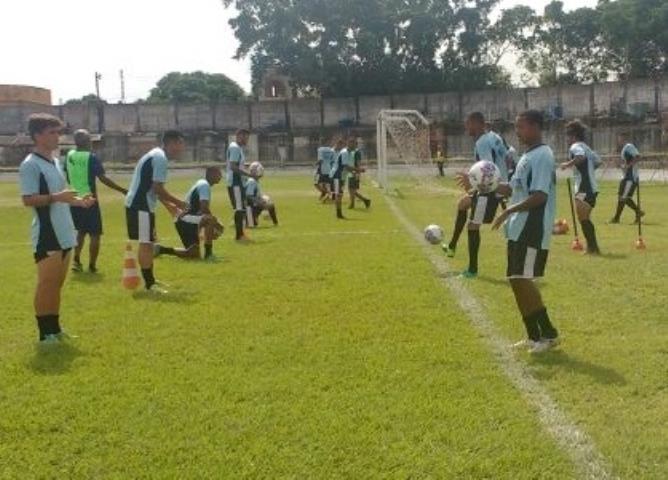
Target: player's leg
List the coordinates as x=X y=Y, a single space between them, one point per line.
x=365 y=200
x=629 y=202
x=236 y=199
x=463 y=206
x=187 y=228
x=81 y=240
x=441 y=169
x=208 y=232
x=352 y=193
x=271 y=209
x=621 y=196
x=94 y=228
x=51 y=274
x=338 y=197
x=141 y=227
x=94 y=252
x=583 y=207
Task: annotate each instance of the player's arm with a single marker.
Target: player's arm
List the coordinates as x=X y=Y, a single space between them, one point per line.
x=30 y=196
x=578 y=157
x=111 y=184
x=167 y=198
x=534 y=200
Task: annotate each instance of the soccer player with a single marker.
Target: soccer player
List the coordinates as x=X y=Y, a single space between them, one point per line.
x=629 y=184
x=354 y=180
x=258 y=202
x=146 y=187
x=326 y=158
x=528 y=224
x=343 y=165
x=83 y=168
x=488 y=146
x=584 y=160
x=43 y=188
x=235 y=181
x=197 y=217
x=438 y=152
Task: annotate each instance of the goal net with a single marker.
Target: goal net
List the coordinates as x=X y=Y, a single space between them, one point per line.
x=402 y=144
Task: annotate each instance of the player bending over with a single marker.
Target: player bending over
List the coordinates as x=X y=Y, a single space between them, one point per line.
x=146 y=187
x=528 y=224
x=258 y=202
x=629 y=184
x=195 y=219
x=82 y=169
x=489 y=146
x=354 y=181
x=326 y=158
x=585 y=161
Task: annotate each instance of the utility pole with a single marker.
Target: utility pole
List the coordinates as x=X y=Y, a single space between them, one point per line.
x=98 y=77
x=122 y=86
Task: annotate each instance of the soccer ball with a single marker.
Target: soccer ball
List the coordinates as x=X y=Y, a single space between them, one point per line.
x=256 y=169
x=560 y=227
x=268 y=202
x=484 y=177
x=433 y=234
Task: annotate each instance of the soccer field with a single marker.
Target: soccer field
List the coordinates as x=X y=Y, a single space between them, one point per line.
x=336 y=349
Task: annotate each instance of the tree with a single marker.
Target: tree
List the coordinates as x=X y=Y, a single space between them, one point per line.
x=90 y=98
x=352 y=47
x=196 y=87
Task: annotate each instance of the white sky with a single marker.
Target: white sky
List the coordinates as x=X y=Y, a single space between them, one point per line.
x=145 y=38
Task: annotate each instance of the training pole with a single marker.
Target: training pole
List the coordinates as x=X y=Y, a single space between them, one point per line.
x=576 y=245
x=640 y=243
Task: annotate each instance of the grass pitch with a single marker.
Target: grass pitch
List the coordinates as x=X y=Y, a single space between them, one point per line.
x=329 y=350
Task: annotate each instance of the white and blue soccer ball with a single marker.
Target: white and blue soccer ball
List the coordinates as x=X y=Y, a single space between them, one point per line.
x=256 y=169
x=484 y=177
x=434 y=234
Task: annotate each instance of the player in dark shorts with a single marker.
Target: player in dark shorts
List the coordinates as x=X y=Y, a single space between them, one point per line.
x=584 y=162
x=43 y=189
x=195 y=219
x=146 y=188
x=354 y=181
x=629 y=183
x=257 y=201
x=82 y=169
x=236 y=172
x=489 y=146
x=528 y=222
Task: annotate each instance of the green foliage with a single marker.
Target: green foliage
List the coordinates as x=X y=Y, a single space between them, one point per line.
x=195 y=87
x=90 y=98
x=349 y=47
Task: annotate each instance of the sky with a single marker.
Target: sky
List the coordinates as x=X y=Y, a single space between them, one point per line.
x=60 y=45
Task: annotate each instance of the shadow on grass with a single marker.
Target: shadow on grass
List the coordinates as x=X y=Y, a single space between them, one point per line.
x=493 y=280
x=54 y=359
x=181 y=297
x=613 y=256
x=88 y=278
x=558 y=361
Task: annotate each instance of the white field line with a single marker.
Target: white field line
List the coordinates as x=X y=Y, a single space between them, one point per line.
x=590 y=464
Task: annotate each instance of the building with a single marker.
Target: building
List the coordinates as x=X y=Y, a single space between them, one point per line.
x=17 y=94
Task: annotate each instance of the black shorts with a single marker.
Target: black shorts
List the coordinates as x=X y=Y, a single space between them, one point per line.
x=188 y=229
x=237 y=197
x=324 y=179
x=141 y=225
x=87 y=220
x=483 y=208
x=589 y=198
x=338 y=185
x=525 y=261
x=40 y=255
x=627 y=188
x=354 y=183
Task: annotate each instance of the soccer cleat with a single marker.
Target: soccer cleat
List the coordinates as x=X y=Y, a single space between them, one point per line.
x=244 y=239
x=449 y=252
x=77 y=267
x=544 y=345
x=468 y=274
x=156 y=250
x=49 y=340
x=157 y=289
x=552 y=342
x=212 y=259
x=64 y=336
x=92 y=269
x=526 y=343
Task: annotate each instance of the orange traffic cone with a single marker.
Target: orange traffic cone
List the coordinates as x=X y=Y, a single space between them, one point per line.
x=131 y=278
x=640 y=244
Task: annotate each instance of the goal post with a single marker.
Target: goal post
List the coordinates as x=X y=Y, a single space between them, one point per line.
x=402 y=139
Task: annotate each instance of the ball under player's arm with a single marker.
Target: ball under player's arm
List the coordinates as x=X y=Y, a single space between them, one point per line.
x=235 y=163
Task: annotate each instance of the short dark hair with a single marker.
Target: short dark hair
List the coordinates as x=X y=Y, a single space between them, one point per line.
x=243 y=131
x=576 y=129
x=170 y=136
x=534 y=117
x=478 y=117
x=38 y=122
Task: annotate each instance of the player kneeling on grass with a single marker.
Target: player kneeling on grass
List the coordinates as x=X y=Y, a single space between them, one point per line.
x=195 y=219
x=257 y=202
x=629 y=184
x=43 y=189
x=528 y=222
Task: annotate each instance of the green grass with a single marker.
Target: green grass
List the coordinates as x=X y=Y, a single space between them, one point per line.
x=327 y=350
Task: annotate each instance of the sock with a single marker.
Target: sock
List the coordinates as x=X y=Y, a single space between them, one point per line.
x=272 y=214
x=632 y=205
x=55 y=324
x=589 y=232
x=339 y=213
x=531 y=325
x=618 y=213
x=440 y=170
x=208 y=250
x=166 y=250
x=547 y=330
x=239 y=223
x=474 y=248
x=42 y=326
x=460 y=222
x=149 y=279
